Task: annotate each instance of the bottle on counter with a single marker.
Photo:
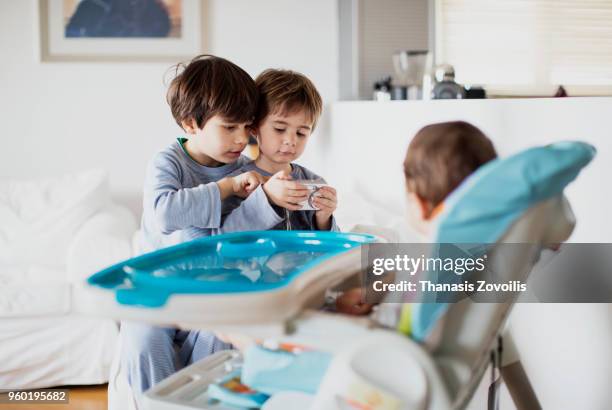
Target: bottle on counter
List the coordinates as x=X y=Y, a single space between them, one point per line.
x=382 y=90
x=428 y=85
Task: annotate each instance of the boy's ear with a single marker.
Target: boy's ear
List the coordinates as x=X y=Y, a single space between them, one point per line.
x=189 y=125
x=425 y=208
x=255 y=133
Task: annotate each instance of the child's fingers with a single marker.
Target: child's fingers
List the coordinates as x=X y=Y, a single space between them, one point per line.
x=297 y=196
x=296 y=186
x=353 y=307
x=302 y=191
x=325 y=193
x=260 y=178
x=251 y=185
x=358 y=309
x=328 y=190
x=249 y=180
x=324 y=203
x=325 y=200
x=295 y=201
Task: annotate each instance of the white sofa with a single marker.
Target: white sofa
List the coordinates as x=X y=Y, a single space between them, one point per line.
x=54 y=232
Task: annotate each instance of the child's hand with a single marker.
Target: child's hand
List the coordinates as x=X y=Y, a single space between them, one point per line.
x=245 y=183
x=282 y=191
x=350 y=303
x=325 y=199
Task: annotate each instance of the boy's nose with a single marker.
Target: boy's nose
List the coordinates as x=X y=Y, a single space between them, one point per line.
x=290 y=140
x=242 y=136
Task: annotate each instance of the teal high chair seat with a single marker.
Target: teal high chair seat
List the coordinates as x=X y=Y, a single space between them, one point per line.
x=518 y=199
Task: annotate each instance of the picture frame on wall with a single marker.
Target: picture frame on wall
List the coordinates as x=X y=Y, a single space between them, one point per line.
x=120 y=30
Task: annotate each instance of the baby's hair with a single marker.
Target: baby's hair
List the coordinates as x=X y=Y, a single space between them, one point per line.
x=208 y=86
x=441 y=156
x=285 y=92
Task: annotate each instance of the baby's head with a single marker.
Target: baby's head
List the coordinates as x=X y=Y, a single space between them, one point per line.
x=288 y=110
x=439 y=158
x=214 y=101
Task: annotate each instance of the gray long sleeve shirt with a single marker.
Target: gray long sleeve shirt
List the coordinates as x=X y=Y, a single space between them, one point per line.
x=182 y=201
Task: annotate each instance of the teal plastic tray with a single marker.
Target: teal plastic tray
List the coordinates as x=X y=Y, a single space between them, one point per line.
x=253 y=261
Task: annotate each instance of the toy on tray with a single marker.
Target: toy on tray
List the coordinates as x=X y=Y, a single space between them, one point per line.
x=230 y=390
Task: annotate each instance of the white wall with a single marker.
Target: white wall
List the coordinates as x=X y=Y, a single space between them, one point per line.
x=62 y=117
x=370 y=140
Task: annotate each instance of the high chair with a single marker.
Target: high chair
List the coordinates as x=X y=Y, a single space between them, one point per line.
x=428 y=355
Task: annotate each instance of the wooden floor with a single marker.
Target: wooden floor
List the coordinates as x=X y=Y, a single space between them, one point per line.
x=81 y=398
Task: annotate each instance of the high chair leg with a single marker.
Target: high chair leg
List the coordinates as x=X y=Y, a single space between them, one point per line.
x=519 y=386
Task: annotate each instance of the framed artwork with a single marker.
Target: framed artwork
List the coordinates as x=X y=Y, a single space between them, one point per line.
x=120 y=30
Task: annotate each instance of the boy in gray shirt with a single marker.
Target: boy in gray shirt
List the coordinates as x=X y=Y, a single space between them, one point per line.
x=214 y=101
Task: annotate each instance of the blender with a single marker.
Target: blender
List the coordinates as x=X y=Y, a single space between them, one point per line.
x=410 y=66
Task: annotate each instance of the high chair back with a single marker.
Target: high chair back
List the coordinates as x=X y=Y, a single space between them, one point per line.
x=515 y=206
x=470 y=328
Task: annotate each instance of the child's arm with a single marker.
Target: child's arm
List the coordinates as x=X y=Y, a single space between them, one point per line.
x=240 y=185
x=176 y=208
x=254 y=213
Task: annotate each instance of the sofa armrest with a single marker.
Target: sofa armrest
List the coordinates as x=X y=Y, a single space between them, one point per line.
x=102 y=240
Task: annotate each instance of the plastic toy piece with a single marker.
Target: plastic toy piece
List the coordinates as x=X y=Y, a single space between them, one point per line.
x=233 y=392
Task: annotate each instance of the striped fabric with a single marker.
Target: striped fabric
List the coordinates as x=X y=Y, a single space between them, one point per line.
x=150 y=354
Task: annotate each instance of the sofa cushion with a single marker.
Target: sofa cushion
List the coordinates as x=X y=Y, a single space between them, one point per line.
x=38 y=218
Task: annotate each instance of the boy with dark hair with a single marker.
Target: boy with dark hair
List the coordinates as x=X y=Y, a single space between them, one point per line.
x=214 y=101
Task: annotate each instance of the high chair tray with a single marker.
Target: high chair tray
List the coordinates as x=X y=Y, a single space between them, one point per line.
x=258 y=277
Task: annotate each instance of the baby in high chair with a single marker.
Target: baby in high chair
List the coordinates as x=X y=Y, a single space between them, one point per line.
x=439 y=158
